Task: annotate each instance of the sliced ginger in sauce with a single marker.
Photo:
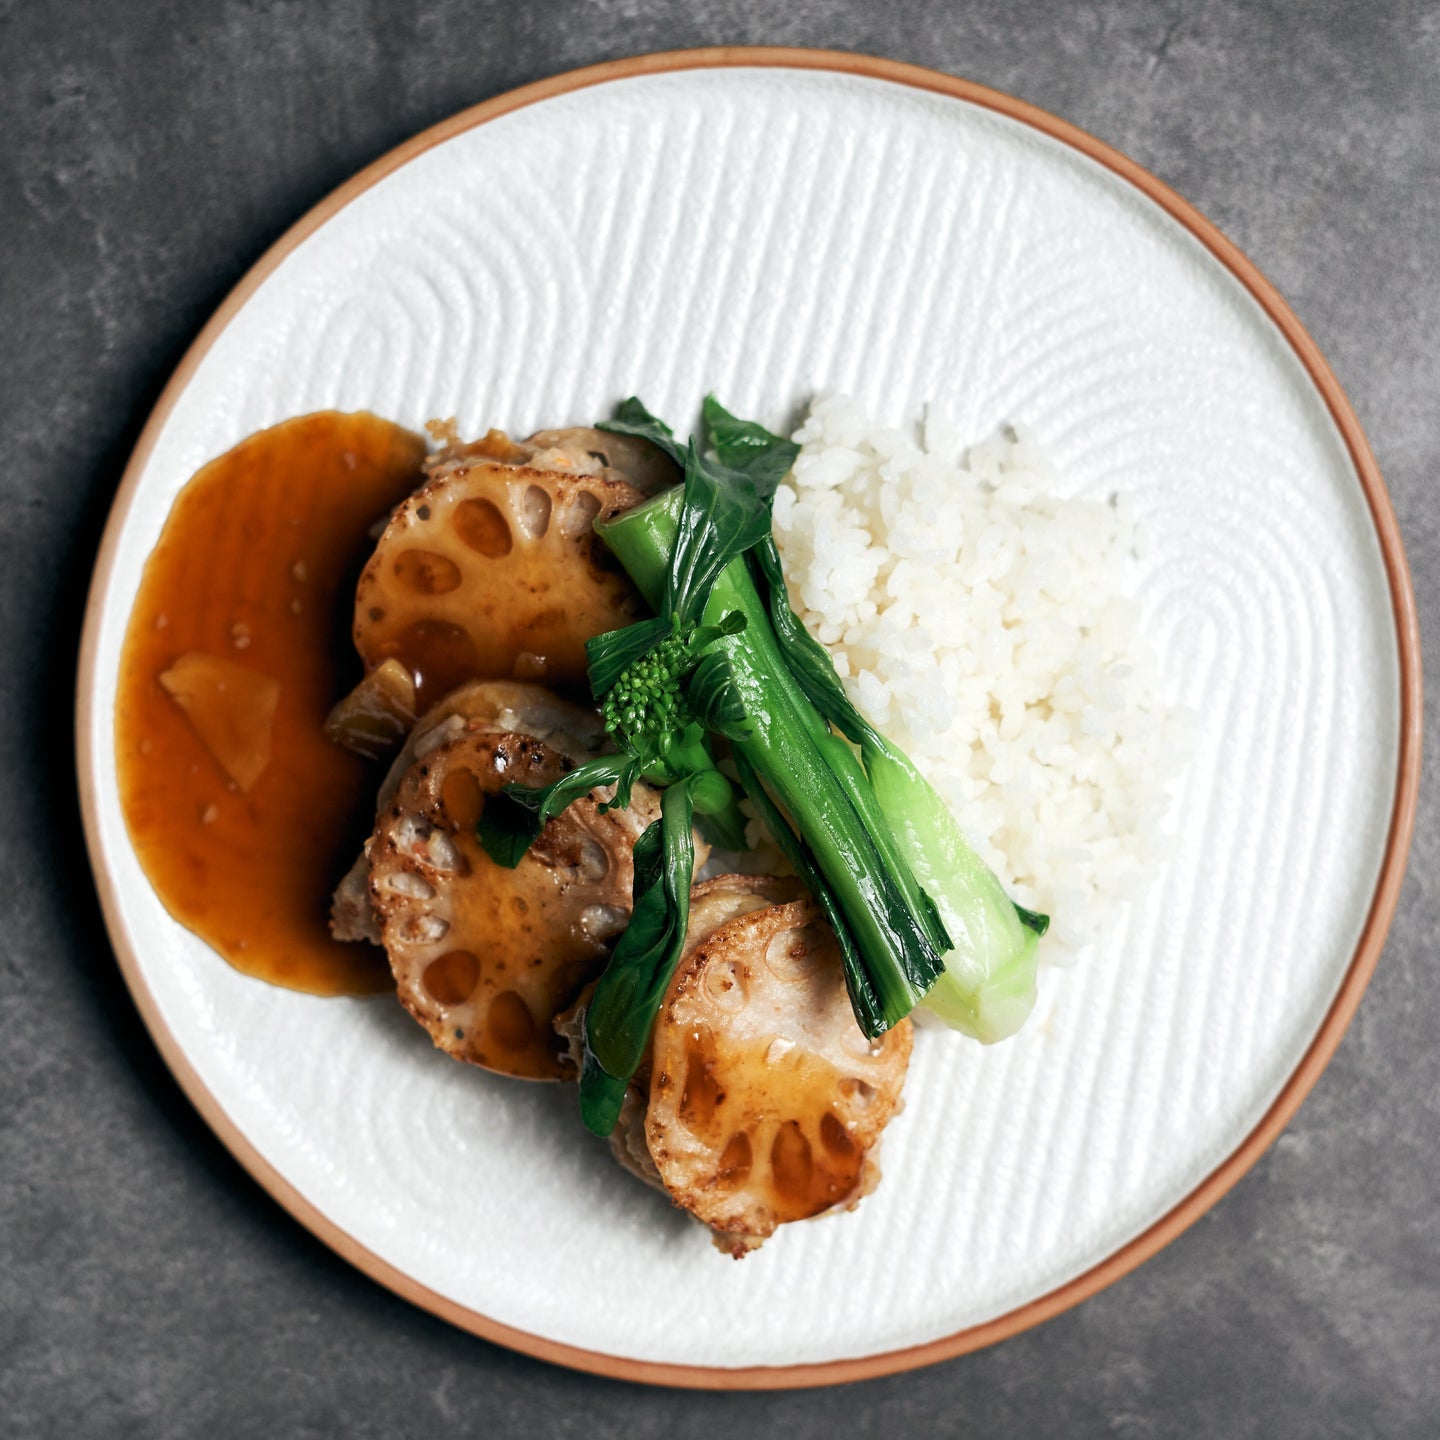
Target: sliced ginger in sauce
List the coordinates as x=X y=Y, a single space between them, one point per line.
x=257 y=563
x=232 y=709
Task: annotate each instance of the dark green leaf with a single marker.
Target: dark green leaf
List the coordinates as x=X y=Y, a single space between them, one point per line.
x=634 y=419
x=1031 y=919
x=805 y=657
x=810 y=664
x=609 y=654
x=601 y=1095
x=506 y=829
x=732 y=623
x=510 y=821
x=715 y=698
x=627 y=997
x=748 y=448
x=722 y=516
x=603 y=770
x=725 y=510
x=633 y=769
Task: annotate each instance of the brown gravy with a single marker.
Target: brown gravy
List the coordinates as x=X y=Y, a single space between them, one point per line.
x=256 y=566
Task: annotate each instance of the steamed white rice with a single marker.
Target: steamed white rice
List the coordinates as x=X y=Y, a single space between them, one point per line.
x=982 y=623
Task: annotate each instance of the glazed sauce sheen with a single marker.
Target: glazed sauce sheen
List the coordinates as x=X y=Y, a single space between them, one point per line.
x=257 y=566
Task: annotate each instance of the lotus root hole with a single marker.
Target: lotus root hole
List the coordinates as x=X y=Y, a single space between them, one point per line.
x=594 y=863
x=482 y=527
x=535 y=512
x=414 y=887
x=793 y=954
x=461 y=796
x=426 y=573
x=440 y=851
x=734 y=1167
x=424 y=930
x=701 y=1095
x=724 y=985
x=602 y=922
x=510 y=1024
x=452 y=978
x=579 y=515
x=859 y=1092
x=411 y=834
x=792 y=1166
x=834 y=1136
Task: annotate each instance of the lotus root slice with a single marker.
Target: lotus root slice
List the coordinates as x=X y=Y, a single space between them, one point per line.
x=766 y=1101
x=494 y=571
x=485 y=957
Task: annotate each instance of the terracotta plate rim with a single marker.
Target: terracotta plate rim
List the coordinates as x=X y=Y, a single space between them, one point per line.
x=1357 y=975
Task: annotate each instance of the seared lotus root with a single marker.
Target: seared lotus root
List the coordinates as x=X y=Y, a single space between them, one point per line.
x=765 y=1099
x=485 y=957
x=492 y=568
x=498 y=705
x=583 y=448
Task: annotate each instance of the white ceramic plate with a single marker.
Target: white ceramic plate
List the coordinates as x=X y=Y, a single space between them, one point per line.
x=769 y=225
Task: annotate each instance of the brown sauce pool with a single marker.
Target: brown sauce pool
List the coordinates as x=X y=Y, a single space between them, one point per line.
x=250 y=592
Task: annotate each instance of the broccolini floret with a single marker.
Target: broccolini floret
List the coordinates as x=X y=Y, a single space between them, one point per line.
x=647 y=706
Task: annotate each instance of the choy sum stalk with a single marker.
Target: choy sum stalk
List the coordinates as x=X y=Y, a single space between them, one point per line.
x=814 y=778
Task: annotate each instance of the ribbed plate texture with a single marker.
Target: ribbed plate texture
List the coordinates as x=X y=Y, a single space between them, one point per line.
x=768 y=235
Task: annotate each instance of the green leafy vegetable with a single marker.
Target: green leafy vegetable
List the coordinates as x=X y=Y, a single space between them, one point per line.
x=724 y=513
x=749 y=449
x=988 y=985
x=716 y=698
x=633 y=418
x=812 y=776
x=988 y=988
x=627 y=996
x=511 y=820
x=611 y=654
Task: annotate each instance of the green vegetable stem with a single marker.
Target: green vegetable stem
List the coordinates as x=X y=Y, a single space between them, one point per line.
x=810 y=783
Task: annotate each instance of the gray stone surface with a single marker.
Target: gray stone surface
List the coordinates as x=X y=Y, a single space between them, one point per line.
x=148 y=1288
